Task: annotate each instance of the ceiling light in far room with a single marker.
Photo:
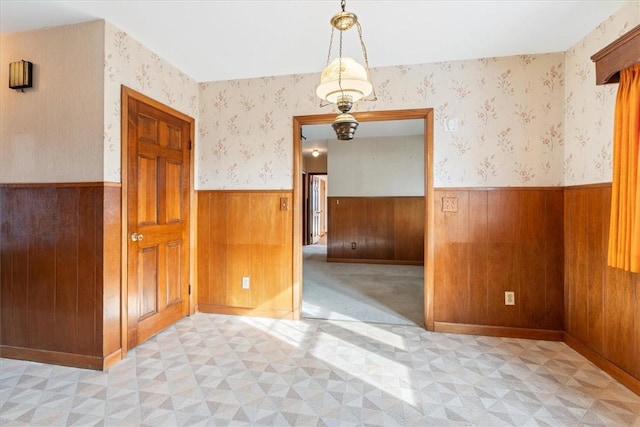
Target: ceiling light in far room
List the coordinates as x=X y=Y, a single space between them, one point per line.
x=315 y=153
x=344 y=82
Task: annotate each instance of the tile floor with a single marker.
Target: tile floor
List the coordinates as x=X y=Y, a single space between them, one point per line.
x=224 y=370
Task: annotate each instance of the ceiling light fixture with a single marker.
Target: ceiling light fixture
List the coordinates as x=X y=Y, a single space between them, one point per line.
x=315 y=153
x=344 y=82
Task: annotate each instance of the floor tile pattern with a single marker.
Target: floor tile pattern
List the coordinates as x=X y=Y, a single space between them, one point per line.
x=210 y=370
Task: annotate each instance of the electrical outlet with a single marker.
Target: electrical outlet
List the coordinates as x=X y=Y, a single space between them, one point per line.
x=245 y=282
x=353 y=245
x=509 y=298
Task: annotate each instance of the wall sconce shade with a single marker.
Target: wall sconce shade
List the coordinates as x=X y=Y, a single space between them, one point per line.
x=20 y=75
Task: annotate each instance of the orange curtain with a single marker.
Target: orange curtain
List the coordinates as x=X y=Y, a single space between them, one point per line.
x=624 y=232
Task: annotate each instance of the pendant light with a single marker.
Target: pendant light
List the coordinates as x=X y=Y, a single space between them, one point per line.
x=344 y=81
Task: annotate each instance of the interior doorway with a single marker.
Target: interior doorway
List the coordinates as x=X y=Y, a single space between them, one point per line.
x=426 y=116
x=314 y=208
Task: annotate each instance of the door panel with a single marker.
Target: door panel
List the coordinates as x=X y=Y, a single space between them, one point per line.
x=158 y=212
x=174 y=191
x=148 y=273
x=174 y=272
x=147 y=191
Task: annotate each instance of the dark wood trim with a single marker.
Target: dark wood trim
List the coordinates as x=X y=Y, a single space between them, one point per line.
x=376 y=197
x=241 y=311
x=111 y=359
x=193 y=224
x=595 y=185
x=59 y=358
x=374 y=261
x=498 y=188
x=616 y=56
x=425 y=114
x=430 y=227
x=499 y=331
x=124 y=218
x=620 y=375
x=244 y=191
x=60 y=184
x=297 y=211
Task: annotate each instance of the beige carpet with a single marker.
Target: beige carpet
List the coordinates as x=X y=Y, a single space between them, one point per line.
x=374 y=293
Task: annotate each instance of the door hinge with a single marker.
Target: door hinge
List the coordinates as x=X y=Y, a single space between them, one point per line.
x=190 y=144
x=189 y=289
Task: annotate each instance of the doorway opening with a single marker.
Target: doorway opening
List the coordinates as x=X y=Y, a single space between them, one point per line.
x=425 y=118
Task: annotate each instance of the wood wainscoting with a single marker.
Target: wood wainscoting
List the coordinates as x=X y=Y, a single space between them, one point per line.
x=489 y=241
x=245 y=234
x=386 y=230
x=602 y=304
x=60 y=273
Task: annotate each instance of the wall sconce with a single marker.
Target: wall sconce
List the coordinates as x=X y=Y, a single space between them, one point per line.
x=20 y=75
x=315 y=153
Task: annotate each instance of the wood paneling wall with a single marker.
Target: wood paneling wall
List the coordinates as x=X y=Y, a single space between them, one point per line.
x=245 y=234
x=60 y=273
x=384 y=229
x=602 y=304
x=500 y=240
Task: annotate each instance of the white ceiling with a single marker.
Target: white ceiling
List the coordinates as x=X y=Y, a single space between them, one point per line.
x=221 y=40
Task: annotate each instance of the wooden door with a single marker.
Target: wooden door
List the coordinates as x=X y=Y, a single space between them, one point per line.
x=323 y=207
x=315 y=209
x=158 y=219
x=306 y=227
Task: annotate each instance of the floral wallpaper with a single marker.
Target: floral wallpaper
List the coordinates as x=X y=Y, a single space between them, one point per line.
x=589 y=109
x=129 y=63
x=527 y=120
x=509 y=111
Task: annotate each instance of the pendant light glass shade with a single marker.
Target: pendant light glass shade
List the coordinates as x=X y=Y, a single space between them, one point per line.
x=343 y=76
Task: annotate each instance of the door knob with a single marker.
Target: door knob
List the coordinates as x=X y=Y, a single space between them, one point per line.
x=137 y=237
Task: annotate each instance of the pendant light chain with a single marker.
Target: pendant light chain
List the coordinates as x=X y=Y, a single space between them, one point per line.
x=330 y=46
x=366 y=62
x=340 y=56
x=322 y=101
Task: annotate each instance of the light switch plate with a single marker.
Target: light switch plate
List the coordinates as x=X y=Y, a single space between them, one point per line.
x=451 y=124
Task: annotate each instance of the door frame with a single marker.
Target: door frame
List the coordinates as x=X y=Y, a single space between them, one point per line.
x=425 y=114
x=126 y=94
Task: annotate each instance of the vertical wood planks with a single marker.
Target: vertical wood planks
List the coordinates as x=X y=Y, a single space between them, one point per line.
x=55 y=260
x=383 y=229
x=603 y=303
x=500 y=240
x=245 y=233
